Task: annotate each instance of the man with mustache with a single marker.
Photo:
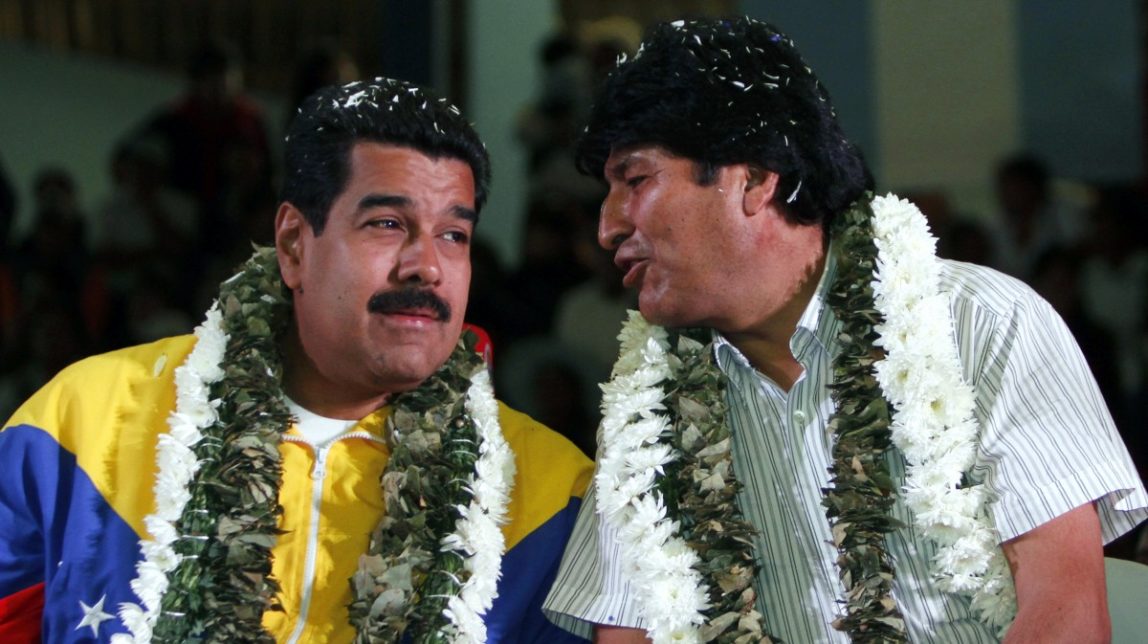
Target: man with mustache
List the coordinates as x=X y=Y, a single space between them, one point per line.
x=816 y=431
x=324 y=460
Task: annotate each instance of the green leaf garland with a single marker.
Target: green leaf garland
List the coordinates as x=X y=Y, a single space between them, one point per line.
x=862 y=493
x=222 y=586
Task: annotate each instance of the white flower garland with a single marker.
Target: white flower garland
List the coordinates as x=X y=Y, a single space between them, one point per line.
x=477 y=538
x=932 y=425
x=176 y=465
x=671 y=594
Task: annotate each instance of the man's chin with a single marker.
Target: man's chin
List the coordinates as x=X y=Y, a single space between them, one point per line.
x=661 y=317
x=662 y=310
x=397 y=382
x=409 y=367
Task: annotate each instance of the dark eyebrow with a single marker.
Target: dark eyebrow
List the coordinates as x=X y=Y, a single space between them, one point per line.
x=399 y=201
x=468 y=214
x=618 y=170
x=384 y=201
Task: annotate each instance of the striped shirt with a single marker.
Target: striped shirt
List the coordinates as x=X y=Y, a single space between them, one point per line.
x=1047 y=445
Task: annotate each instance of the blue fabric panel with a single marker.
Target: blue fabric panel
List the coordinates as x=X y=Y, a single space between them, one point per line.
x=57 y=528
x=528 y=570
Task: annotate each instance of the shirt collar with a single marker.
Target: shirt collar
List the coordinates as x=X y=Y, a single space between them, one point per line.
x=816 y=322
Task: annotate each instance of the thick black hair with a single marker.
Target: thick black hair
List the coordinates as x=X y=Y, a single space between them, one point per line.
x=721 y=92
x=383 y=110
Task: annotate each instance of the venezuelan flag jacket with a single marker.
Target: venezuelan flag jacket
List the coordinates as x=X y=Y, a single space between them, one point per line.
x=77 y=465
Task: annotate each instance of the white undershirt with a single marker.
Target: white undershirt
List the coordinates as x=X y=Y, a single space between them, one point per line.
x=317 y=429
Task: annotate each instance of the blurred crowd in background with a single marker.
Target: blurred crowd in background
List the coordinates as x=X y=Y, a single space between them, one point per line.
x=195 y=186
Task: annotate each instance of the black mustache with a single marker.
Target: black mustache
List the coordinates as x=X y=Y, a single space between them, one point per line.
x=409 y=298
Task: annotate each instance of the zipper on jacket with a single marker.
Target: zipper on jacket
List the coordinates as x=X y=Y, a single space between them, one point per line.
x=318 y=476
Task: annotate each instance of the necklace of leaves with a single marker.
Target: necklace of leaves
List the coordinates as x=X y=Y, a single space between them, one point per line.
x=696 y=488
x=206 y=573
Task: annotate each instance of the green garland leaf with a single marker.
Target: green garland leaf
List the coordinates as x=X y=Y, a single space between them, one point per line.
x=405 y=581
x=700 y=491
x=861 y=492
x=223 y=585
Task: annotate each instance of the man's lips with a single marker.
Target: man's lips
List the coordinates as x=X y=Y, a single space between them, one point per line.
x=427 y=314
x=632 y=271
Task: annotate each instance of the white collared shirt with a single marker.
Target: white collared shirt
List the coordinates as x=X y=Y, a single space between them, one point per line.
x=1047 y=445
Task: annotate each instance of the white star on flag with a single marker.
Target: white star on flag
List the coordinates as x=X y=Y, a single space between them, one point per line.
x=93 y=616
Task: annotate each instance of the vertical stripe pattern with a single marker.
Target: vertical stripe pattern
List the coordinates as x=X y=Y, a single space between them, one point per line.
x=1047 y=445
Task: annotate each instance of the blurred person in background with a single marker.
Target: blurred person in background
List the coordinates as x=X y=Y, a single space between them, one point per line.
x=215 y=140
x=1032 y=217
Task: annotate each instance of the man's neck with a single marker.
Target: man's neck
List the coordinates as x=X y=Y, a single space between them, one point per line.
x=303 y=383
x=766 y=344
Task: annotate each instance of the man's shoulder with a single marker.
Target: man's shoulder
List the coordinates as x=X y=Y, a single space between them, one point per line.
x=152 y=360
x=551 y=477
x=539 y=448
x=986 y=288
x=107 y=381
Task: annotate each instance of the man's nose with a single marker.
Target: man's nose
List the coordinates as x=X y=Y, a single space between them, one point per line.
x=613 y=223
x=419 y=261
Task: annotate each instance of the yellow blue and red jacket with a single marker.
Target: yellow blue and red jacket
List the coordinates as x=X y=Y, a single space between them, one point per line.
x=77 y=462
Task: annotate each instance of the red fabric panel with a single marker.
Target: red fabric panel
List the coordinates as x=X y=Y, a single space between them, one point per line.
x=20 y=616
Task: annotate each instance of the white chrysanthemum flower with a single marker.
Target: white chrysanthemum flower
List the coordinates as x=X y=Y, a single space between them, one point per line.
x=164 y=557
x=965 y=560
x=645 y=430
x=162 y=530
x=961 y=435
x=686 y=597
x=896 y=375
x=470 y=627
x=647 y=510
x=996 y=604
x=635 y=337
x=898 y=287
x=183 y=429
x=637 y=484
x=207 y=357
x=149 y=585
x=932 y=423
x=477 y=536
x=189 y=385
x=136 y=621
x=914 y=245
x=192 y=398
x=931 y=476
x=934 y=322
x=680 y=601
x=674 y=558
x=175 y=456
x=653 y=557
x=651 y=458
x=954 y=510
x=640 y=401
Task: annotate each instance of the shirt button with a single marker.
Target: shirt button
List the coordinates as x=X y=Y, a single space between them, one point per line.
x=799 y=416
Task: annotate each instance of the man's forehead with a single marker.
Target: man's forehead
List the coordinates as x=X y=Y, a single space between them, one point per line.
x=364 y=152
x=622 y=157
x=392 y=163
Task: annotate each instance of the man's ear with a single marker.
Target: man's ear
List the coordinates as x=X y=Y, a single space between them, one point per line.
x=759 y=188
x=291 y=228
